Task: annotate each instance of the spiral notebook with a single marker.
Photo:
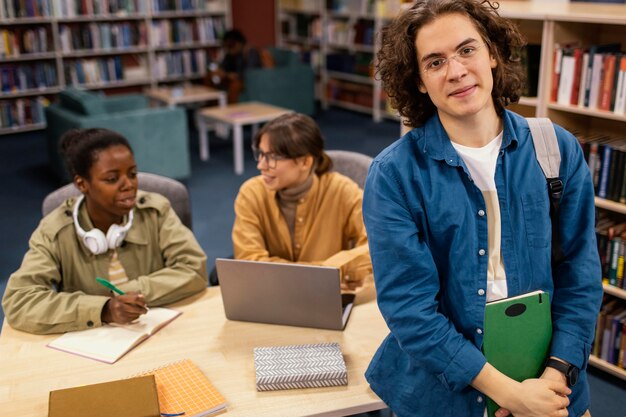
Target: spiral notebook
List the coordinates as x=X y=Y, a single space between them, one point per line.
x=184 y=390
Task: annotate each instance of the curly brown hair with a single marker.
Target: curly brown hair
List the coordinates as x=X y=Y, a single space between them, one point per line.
x=397 y=59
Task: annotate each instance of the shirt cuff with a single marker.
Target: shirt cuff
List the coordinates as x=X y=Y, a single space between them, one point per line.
x=570 y=348
x=463 y=368
x=90 y=311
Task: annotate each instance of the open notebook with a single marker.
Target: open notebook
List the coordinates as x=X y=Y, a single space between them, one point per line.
x=110 y=342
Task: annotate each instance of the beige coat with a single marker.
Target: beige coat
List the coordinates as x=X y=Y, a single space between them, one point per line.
x=55 y=290
x=329 y=226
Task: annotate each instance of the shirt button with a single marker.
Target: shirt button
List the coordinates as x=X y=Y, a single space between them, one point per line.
x=479 y=331
x=479 y=399
x=481 y=252
x=481 y=213
x=90 y=323
x=481 y=292
x=300 y=219
x=301 y=200
x=297 y=246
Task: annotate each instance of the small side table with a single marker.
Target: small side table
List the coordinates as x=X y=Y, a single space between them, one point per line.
x=237 y=116
x=191 y=96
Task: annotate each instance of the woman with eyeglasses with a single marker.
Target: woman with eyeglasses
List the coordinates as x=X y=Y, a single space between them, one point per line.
x=297 y=210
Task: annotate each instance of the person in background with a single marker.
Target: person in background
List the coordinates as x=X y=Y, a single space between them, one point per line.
x=298 y=210
x=229 y=74
x=132 y=238
x=458 y=214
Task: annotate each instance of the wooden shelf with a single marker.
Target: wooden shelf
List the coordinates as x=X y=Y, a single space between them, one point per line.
x=610 y=205
x=20 y=129
x=344 y=76
x=614 y=291
x=28 y=57
x=30 y=93
x=103 y=52
x=607 y=367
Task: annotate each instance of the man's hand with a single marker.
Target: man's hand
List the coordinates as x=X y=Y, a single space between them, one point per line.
x=124 y=309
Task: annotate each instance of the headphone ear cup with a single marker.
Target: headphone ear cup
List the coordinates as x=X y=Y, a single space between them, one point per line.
x=115 y=236
x=95 y=241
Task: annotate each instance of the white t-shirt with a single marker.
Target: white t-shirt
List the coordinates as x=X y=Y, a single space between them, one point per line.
x=481 y=163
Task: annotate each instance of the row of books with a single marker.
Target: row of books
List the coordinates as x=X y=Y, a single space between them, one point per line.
x=347 y=33
x=593 y=78
x=187 y=5
x=611 y=239
x=27 y=76
x=610 y=337
x=606 y=158
x=303 y=26
x=22 y=112
x=12 y=9
x=358 y=63
x=94 y=70
x=18 y=41
x=177 y=31
x=179 y=63
x=73 y=8
x=350 y=93
x=351 y=6
x=102 y=36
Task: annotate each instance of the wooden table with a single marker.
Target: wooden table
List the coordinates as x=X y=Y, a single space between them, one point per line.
x=189 y=96
x=222 y=349
x=237 y=116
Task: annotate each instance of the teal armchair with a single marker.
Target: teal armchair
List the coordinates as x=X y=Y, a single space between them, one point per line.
x=289 y=84
x=158 y=136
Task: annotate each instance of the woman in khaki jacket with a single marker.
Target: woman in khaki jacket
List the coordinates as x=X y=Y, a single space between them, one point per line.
x=297 y=210
x=129 y=237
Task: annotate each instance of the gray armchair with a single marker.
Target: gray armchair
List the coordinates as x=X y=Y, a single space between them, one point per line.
x=173 y=190
x=353 y=165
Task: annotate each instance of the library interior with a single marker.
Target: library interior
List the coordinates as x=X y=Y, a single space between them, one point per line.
x=193 y=86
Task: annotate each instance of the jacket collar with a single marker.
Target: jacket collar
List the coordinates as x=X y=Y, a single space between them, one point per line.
x=434 y=142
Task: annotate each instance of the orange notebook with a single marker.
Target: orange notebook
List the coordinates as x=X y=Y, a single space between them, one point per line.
x=183 y=388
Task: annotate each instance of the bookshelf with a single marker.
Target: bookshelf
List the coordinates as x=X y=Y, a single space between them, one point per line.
x=588 y=24
x=100 y=45
x=339 y=38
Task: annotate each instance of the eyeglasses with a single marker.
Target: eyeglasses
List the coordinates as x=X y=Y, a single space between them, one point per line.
x=436 y=66
x=270 y=157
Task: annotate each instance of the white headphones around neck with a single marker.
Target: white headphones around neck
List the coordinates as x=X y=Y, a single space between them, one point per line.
x=95 y=240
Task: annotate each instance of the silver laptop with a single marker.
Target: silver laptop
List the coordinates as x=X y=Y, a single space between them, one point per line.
x=279 y=293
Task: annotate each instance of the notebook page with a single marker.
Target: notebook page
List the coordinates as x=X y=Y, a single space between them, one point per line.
x=105 y=344
x=153 y=320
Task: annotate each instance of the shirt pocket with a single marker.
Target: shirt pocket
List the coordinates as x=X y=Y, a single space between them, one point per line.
x=536 y=210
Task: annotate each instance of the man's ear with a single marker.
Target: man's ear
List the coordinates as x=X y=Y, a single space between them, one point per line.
x=422 y=88
x=81 y=184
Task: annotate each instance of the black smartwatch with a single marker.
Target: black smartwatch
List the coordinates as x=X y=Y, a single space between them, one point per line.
x=569 y=370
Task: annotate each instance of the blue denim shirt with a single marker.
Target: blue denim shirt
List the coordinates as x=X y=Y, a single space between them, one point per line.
x=426 y=229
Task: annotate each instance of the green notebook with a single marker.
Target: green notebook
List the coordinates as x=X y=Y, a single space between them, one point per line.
x=518 y=331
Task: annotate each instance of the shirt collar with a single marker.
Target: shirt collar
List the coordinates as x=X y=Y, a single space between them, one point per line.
x=435 y=142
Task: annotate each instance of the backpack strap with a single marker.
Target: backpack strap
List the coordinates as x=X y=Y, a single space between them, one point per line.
x=549 y=158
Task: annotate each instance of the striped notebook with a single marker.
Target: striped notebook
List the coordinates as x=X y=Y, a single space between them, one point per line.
x=299 y=366
x=183 y=390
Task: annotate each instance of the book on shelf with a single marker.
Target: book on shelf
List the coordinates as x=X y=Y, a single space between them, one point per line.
x=183 y=389
x=299 y=366
x=594 y=69
x=517 y=335
x=109 y=343
x=121 y=398
x=620 y=89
